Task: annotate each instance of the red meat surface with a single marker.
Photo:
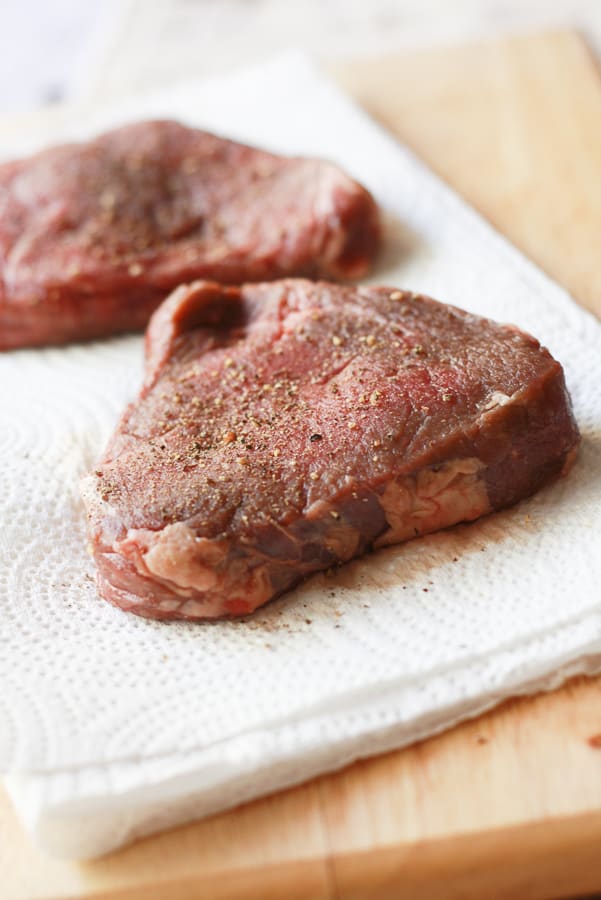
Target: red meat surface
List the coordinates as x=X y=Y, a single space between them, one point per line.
x=288 y=427
x=93 y=236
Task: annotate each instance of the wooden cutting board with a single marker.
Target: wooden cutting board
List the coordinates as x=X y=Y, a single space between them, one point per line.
x=508 y=805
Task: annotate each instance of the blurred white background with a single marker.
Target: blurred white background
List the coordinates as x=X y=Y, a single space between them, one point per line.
x=54 y=50
x=49 y=48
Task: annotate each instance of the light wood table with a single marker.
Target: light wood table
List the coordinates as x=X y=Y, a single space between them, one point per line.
x=506 y=806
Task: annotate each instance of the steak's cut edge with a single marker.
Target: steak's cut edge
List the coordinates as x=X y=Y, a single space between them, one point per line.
x=288 y=427
x=93 y=236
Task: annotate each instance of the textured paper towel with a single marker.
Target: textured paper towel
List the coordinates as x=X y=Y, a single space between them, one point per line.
x=112 y=726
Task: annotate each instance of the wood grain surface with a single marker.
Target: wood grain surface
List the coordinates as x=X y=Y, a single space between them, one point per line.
x=508 y=805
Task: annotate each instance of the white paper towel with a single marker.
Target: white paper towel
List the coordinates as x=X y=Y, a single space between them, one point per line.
x=112 y=726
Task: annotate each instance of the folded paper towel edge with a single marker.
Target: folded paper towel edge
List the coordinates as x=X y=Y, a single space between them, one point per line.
x=63 y=830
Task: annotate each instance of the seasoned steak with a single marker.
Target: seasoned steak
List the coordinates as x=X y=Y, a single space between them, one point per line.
x=93 y=236
x=288 y=427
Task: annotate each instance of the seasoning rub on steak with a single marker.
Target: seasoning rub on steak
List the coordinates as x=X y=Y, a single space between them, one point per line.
x=287 y=427
x=93 y=236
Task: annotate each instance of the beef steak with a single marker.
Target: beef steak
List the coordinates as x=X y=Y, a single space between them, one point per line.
x=287 y=427
x=93 y=236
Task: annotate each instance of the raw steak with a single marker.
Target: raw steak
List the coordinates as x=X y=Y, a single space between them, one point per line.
x=93 y=236
x=285 y=428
